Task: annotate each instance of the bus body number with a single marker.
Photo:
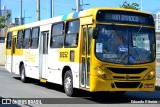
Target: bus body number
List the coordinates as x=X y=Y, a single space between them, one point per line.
x=63 y=54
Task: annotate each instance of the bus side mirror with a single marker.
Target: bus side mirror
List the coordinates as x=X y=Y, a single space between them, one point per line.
x=95 y=33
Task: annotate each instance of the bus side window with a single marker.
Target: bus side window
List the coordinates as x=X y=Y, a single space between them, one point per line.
x=19 y=39
x=9 y=40
x=57 y=36
x=72 y=32
x=26 y=39
x=35 y=38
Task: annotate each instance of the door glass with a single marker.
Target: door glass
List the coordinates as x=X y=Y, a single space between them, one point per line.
x=88 y=71
x=45 y=43
x=83 y=71
x=84 y=42
x=89 y=39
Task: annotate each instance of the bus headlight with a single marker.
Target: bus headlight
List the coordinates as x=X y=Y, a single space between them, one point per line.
x=102 y=74
x=152 y=72
x=150 y=75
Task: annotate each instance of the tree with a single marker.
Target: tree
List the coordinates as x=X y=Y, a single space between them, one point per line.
x=130 y=6
x=3 y=20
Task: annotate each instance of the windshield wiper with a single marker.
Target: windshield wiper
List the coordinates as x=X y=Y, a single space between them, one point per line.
x=135 y=35
x=118 y=33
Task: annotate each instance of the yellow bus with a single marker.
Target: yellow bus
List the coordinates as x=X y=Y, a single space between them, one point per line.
x=99 y=49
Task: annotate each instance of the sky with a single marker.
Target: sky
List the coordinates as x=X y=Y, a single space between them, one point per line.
x=62 y=7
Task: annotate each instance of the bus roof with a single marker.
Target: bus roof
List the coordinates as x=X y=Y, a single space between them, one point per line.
x=69 y=16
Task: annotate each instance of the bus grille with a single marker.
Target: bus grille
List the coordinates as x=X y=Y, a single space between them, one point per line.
x=127 y=84
x=124 y=77
x=127 y=70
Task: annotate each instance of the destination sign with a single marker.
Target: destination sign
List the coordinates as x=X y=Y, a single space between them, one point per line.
x=126 y=17
x=120 y=17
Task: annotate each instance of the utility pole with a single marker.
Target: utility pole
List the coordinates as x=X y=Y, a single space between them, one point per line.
x=20 y=19
x=77 y=5
x=52 y=8
x=38 y=10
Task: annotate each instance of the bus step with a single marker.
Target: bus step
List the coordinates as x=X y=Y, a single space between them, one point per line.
x=43 y=80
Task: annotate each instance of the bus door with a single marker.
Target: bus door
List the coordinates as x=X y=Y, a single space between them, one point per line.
x=13 y=54
x=86 y=53
x=43 y=61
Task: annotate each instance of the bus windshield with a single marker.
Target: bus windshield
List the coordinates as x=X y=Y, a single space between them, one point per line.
x=125 y=44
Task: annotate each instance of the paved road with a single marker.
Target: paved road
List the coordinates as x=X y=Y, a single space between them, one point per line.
x=12 y=87
x=158 y=74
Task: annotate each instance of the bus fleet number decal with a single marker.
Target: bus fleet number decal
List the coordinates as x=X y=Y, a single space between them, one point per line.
x=63 y=54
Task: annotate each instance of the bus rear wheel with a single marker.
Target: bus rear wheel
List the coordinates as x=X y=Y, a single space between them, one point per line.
x=68 y=84
x=23 y=75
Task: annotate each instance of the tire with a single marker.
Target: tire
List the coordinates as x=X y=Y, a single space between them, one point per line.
x=23 y=75
x=68 y=84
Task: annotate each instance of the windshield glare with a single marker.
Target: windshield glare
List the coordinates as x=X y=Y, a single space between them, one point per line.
x=125 y=45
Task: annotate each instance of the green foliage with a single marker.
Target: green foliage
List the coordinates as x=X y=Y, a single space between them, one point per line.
x=130 y=6
x=3 y=19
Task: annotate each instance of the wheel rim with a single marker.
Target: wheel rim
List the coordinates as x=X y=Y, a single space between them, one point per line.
x=68 y=84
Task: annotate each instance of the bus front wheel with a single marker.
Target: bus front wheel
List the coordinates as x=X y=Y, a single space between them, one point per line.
x=68 y=84
x=23 y=75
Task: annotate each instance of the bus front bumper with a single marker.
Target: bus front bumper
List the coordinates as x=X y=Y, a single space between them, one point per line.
x=99 y=84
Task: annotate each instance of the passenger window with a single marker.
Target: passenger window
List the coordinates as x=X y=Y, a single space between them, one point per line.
x=9 y=40
x=57 y=37
x=35 y=38
x=19 y=39
x=26 y=40
x=72 y=32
